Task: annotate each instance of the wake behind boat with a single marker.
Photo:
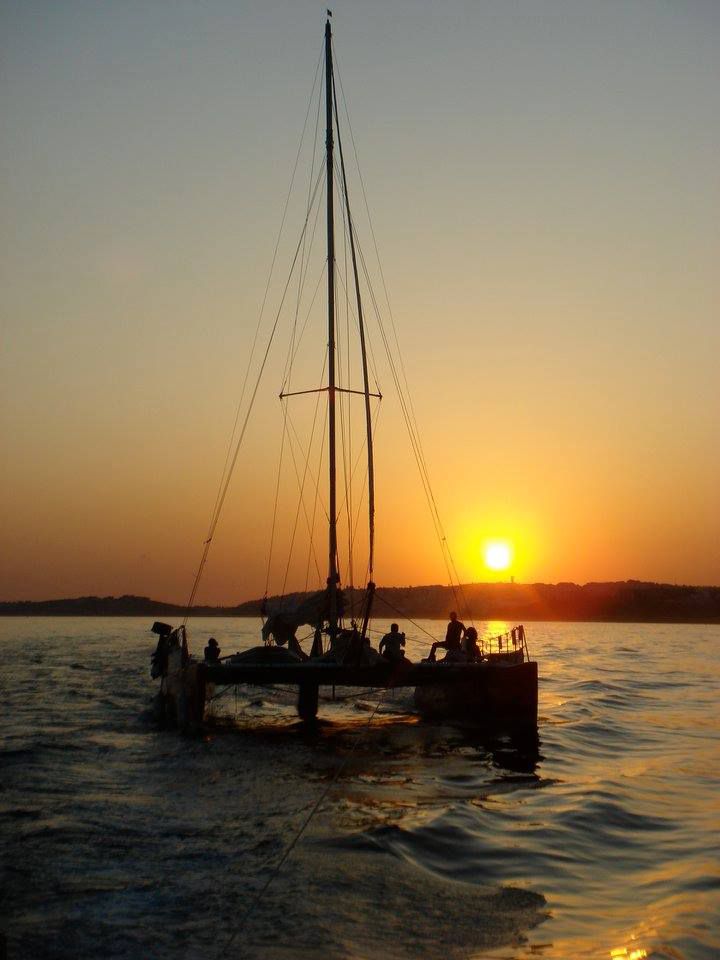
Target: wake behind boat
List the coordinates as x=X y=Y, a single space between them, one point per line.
x=478 y=679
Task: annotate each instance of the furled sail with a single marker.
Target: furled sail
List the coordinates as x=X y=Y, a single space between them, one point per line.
x=286 y=614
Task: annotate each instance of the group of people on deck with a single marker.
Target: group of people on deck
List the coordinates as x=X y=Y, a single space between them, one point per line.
x=461 y=644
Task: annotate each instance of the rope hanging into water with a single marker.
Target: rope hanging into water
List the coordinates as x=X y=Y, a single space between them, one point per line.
x=303 y=827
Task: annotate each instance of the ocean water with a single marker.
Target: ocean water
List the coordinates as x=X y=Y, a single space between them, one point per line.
x=595 y=837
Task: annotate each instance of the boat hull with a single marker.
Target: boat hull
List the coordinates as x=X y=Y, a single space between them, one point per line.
x=502 y=691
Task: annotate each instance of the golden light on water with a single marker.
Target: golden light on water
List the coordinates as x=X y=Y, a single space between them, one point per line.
x=498 y=554
x=623 y=953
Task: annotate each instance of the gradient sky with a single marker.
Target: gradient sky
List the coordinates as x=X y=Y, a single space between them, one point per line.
x=545 y=190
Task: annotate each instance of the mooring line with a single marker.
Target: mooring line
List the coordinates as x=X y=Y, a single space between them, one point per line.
x=293 y=843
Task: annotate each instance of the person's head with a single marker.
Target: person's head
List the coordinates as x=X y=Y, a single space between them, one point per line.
x=453 y=615
x=394 y=628
x=212 y=642
x=471 y=633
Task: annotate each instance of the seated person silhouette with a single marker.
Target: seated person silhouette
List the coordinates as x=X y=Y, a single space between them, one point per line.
x=470 y=645
x=212 y=651
x=392 y=643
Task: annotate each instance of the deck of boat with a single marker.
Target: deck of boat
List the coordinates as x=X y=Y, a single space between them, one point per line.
x=403 y=674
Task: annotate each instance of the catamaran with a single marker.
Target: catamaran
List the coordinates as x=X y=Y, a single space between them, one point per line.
x=497 y=682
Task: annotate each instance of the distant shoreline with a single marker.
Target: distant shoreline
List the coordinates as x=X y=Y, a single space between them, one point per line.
x=628 y=601
x=398 y=617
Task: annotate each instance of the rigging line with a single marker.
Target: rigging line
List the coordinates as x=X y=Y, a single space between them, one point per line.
x=222 y=693
x=264 y=361
x=359 y=509
x=354 y=471
x=311 y=548
x=311 y=555
x=310 y=183
x=269 y=279
x=368 y=573
x=317 y=127
x=363 y=351
x=315 y=477
x=353 y=533
x=309 y=524
x=409 y=639
x=317 y=122
x=344 y=503
x=277 y=497
x=468 y=615
x=231 y=467
x=346 y=399
x=412 y=434
x=450 y=563
x=305 y=824
x=304 y=270
x=292 y=349
x=289 y=364
x=354 y=240
x=412 y=419
x=371 y=354
x=375 y=244
x=299 y=443
x=220 y=501
x=301 y=500
x=291 y=343
x=344 y=414
x=357 y=165
x=358 y=458
x=400 y=613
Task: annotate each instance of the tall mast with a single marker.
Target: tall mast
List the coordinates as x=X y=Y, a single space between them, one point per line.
x=332 y=567
x=363 y=354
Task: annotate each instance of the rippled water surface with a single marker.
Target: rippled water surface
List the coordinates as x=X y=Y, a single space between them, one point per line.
x=598 y=836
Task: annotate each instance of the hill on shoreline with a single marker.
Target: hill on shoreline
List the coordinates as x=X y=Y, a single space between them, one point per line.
x=623 y=601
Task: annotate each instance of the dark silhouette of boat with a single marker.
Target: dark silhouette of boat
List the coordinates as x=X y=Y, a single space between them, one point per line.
x=496 y=680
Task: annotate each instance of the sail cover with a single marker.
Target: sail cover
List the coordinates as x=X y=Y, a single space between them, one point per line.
x=286 y=614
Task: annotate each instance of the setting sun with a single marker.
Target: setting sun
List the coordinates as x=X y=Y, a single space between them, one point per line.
x=497 y=554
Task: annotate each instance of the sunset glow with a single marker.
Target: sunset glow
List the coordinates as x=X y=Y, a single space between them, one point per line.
x=561 y=367
x=498 y=554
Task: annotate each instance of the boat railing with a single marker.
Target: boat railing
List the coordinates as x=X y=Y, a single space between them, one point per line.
x=512 y=641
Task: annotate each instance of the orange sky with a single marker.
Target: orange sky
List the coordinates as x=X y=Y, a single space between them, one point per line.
x=545 y=194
